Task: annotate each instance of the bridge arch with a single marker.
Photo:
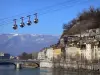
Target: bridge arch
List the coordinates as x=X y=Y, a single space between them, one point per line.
x=38 y=65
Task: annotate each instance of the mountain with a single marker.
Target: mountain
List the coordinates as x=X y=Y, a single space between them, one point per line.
x=15 y=44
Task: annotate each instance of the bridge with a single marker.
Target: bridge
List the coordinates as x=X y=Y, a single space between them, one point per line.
x=18 y=63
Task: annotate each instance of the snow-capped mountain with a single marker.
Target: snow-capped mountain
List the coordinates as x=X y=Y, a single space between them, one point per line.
x=17 y=43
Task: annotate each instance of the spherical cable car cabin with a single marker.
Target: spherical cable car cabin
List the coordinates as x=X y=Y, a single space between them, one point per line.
x=29 y=22
x=36 y=19
x=15 y=25
x=22 y=24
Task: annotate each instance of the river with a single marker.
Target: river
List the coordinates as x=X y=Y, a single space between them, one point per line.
x=9 y=70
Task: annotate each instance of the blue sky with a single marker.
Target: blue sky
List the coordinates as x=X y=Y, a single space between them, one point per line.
x=52 y=14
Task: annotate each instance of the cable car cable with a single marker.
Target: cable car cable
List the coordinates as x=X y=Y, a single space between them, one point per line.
x=47 y=11
x=53 y=10
x=37 y=9
x=40 y=9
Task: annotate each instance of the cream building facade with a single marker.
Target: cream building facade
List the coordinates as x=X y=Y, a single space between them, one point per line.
x=88 y=53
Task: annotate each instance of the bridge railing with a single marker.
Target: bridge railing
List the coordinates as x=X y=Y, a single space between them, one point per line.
x=15 y=60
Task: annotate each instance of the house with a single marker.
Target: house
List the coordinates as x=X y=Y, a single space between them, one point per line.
x=42 y=54
x=45 y=56
x=57 y=52
x=49 y=54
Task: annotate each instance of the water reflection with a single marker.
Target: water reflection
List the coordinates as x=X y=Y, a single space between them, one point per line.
x=47 y=71
x=10 y=70
x=6 y=67
x=17 y=71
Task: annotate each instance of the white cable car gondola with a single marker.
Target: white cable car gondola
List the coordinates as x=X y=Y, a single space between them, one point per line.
x=15 y=25
x=29 y=22
x=36 y=19
x=22 y=24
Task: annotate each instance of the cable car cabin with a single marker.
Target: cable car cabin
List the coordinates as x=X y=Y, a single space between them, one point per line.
x=15 y=27
x=22 y=24
x=29 y=23
x=35 y=20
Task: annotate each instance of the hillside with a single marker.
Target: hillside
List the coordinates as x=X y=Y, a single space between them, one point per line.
x=88 y=19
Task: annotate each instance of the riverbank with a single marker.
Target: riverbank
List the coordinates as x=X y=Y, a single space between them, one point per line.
x=80 y=70
x=74 y=67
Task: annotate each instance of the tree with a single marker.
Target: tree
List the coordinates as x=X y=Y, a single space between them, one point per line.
x=25 y=56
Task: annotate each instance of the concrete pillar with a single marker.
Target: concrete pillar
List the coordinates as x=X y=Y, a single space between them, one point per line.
x=18 y=66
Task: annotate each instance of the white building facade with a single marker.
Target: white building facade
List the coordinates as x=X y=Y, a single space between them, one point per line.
x=45 y=57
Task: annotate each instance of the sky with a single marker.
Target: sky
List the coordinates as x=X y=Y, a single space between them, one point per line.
x=52 y=14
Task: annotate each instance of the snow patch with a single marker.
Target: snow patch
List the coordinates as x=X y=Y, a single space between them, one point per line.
x=15 y=34
x=36 y=34
x=33 y=34
x=40 y=39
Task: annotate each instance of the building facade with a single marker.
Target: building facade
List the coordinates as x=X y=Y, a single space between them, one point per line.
x=4 y=55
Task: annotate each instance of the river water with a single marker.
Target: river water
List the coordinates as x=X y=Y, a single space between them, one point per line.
x=9 y=70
